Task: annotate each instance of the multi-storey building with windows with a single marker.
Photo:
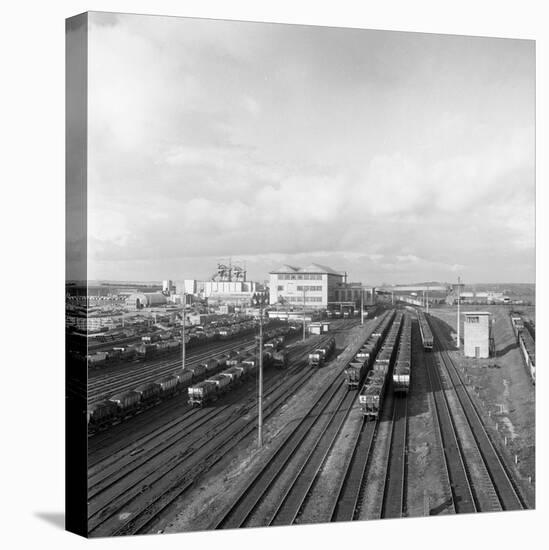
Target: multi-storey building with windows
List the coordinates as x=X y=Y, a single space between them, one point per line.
x=313 y=286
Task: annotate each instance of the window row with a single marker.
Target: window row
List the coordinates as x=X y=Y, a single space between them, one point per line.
x=299 y=299
x=300 y=277
x=309 y=288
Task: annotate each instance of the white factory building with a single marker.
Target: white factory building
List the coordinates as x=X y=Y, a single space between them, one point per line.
x=226 y=292
x=314 y=285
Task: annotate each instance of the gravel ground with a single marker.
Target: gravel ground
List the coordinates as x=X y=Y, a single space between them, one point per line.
x=216 y=491
x=318 y=507
x=503 y=392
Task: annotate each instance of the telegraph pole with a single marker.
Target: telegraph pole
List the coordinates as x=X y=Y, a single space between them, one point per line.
x=260 y=388
x=458 y=323
x=183 y=332
x=361 y=306
x=427 y=303
x=303 y=312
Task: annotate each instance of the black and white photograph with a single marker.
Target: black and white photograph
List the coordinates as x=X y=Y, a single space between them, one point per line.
x=300 y=274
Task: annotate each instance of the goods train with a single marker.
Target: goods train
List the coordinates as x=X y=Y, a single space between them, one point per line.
x=363 y=360
x=403 y=363
x=425 y=331
x=517 y=322
x=372 y=392
x=280 y=359
x=526 y=341
x=214 y=387
x=528 y=347
x=234 y=366
x=318 y=357
x=156 y=344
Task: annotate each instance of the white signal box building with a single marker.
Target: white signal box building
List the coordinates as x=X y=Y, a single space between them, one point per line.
x=477 y=334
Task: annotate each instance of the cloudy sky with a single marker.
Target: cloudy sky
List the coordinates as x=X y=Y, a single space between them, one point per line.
x=398 y=157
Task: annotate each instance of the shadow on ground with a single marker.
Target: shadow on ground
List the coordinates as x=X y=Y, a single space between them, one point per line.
x=57 y=519
x=505 y=350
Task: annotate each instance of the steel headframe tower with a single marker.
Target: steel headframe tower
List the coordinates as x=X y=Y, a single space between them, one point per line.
x=260 y=301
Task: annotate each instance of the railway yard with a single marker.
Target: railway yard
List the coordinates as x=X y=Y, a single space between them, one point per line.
x=381 y=419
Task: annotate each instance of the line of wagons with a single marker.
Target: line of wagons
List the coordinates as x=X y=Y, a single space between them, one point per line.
x=205 y=382
x=388 y=345
x=160 y=343
x=319 y=356
x=425 y=331
x=526 y=343
x=274 y=353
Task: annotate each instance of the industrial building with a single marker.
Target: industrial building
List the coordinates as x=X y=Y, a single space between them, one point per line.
x=478 y=297
x=477 y=335
x=227 y=286
x=348 y=295
x=168 y=287
x=139 y=300
x=313 y=286
x=94 y=321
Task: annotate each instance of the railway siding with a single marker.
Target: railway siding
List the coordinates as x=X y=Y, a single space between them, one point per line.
x=257 y=489
x=502 y=391
x=428 y=481
x=141 y=511
x=461 y=491
x=229 y=478
x=370 y=504
x=291 y=506
x=322 y=499
x=483 y=490
x=503 y=483
x=176 y=473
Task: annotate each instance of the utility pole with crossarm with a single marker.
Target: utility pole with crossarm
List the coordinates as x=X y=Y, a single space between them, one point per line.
x=260 y=300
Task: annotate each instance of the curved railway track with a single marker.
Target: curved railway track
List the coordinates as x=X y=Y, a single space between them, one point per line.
x=130 y=501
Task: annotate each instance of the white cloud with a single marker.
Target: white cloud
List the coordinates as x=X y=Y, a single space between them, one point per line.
x=214 y=138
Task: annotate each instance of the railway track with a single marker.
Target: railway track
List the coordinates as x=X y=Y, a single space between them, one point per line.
x=501 y=478
x=421 y=378
x=278 y=492
x=462 y=494
x=147 y=490
x=99 y=375
x=100 y=388
x=346 y=502
x=151 y=371
x=394 y=499
x=257 y=488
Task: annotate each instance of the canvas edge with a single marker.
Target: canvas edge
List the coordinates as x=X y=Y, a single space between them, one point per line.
x=76 y=99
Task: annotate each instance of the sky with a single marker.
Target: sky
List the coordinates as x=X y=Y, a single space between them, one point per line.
x=397 y=157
